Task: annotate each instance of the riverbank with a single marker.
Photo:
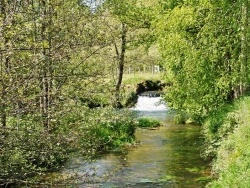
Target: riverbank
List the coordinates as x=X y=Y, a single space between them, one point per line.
x=227 y=134
x=28 y=150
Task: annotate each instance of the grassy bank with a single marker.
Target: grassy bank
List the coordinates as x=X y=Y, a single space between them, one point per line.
x=227 y=134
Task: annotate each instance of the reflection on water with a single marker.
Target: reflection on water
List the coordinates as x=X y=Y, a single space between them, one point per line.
x=166 y=157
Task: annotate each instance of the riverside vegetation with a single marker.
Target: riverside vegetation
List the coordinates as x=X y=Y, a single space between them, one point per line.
x=227 y=137
x=60 y=59
x=204 y=45
x=28 y=151
x=58 y=86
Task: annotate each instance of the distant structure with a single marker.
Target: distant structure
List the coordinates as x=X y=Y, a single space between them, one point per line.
x=156 y=69
x=92 y=4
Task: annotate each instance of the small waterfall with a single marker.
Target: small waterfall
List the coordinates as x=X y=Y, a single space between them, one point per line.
x=147 y=103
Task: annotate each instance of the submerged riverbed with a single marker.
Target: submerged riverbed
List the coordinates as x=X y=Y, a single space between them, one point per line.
x=168 y=156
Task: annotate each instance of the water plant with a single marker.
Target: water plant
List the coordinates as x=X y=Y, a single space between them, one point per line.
x=148 y=123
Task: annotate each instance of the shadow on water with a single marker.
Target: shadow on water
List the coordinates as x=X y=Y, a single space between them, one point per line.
x=166 y=157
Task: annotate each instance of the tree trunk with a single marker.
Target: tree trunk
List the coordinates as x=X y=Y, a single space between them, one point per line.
x=121 y=61
x=45 y=86
x=244 y=49
x=242 y=84
x=5 y=63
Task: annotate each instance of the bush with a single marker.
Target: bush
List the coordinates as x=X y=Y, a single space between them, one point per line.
x=106 y=129
x=179 y=118
x=233 y=160
x=216 y=126
x=233 y=147
x=26 y=153
x=148 y=122
x=28 y=150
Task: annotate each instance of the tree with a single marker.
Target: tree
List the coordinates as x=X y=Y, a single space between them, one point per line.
x=202 y=43
x=244 y=70
x=4 y=62
x=44 y=47
x=132 y=19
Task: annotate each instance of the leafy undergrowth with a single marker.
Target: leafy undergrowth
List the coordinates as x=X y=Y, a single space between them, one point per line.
x=28 y=150
x=228 y=133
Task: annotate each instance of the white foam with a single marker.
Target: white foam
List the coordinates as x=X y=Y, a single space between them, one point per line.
x=146 y=103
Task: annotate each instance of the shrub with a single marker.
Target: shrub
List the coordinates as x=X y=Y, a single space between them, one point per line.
x=148 y=122
x=233 y=153
x=179 y=118
x=28 y=150
x=26 y=153
x=216 y=126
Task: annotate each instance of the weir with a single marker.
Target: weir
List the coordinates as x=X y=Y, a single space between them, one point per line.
x=150 y=101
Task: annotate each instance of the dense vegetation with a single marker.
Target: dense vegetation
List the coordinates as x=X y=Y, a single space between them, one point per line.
x=60 y=59
x=205 y=48
x=205 y=52
x=227 y=137
x=57 y=62
x=148 y=123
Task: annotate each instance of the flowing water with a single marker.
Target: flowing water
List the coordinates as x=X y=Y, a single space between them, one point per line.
x=152 y=104
x=168 y=156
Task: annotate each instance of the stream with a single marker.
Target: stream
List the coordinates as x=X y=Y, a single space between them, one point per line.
x=167 y=157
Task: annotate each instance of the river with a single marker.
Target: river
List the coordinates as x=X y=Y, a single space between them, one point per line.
x=168 y=156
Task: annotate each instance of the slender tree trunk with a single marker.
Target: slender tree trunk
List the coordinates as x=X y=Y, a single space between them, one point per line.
x=45 y=72
x=5 y=63
x=242 y=85
x=3 y=104
x=121 y=61
x=244 y=49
